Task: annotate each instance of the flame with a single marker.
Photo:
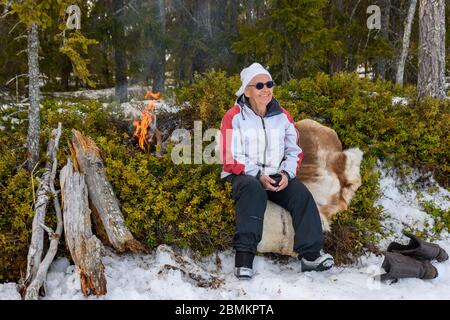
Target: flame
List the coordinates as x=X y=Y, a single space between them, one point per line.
x=146 y=119
x=154 y=96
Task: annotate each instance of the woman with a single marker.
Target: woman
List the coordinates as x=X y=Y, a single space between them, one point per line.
x=260 y=158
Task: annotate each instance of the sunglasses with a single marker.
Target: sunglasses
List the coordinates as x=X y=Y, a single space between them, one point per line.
x=260 y=85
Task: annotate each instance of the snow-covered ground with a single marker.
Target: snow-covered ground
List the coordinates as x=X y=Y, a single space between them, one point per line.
x=161 y=275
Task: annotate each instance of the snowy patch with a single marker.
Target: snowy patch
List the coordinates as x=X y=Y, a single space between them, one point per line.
x=399 y=100
x=145 y=277
x=98 y=94
x=402 y=208
x=8 y=291
x=133 y=109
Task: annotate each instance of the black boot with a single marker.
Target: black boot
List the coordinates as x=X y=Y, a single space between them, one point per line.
x=419 y=249
x=243 y=265
x=399 y=266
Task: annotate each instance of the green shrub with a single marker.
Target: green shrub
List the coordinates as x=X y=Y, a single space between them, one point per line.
x=362 y=114
x=440 y=216
x=184 y=205
x=16 y=216
x=208 y=98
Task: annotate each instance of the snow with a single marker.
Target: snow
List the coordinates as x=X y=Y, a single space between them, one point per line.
x=98 y=94
x=399 y=100
x=165 y=273
x=401 y=205
x=134 y=108
x=8 y=292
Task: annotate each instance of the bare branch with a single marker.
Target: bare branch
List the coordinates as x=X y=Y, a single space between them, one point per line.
x=21 y=51
x=15 y=77
x=48 y=229
x=14 y=26
x=37 y=270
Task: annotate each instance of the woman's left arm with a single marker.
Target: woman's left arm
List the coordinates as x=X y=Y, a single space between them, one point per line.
x=292 y=152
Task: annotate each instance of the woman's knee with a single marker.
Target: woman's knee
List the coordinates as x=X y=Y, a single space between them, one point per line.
x=300 y=195
x=299 y=188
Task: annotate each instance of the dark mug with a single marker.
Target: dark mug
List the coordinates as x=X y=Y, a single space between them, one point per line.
x=277 y=177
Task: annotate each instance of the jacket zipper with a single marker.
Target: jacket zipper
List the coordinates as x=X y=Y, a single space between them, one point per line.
x=265 y=145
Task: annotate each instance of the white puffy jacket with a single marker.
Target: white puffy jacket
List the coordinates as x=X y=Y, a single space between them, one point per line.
x=255 y=145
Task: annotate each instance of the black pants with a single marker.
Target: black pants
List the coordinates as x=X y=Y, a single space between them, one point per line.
x=251 y=199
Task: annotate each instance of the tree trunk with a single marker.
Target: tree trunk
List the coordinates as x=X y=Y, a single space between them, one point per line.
x=381 y=62
x=232 y=15
x=86 y=156
x=202 y=16
x=335 y=59
x=202 y=26
x=250 y=14
x=46 y=187
x=285 y=74
x=431 y=78
x=405 y=44
x=34 y=122
x=85 y=249
x=160 y=65
x=65 y=74
x=119 y=51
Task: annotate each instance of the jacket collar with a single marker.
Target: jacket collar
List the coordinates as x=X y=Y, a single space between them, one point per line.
x=273 y=108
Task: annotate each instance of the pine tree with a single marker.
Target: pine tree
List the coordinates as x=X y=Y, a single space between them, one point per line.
x=35 y=15
x=291 y=38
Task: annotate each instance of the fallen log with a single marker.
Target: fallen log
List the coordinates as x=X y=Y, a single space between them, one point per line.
x=34 y=282
x=85 y=248
x=86 y=158
x=193 y=273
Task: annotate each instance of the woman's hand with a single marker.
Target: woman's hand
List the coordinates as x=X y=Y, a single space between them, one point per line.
x=267 y=181
x=283 y=183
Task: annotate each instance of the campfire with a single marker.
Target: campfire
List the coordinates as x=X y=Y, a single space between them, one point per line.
x=146 y=127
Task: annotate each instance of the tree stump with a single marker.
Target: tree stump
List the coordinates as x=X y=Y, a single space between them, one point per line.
x=85 y=248
x=87 y=160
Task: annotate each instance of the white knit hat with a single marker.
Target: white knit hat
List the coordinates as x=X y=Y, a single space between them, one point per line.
x=247 y=74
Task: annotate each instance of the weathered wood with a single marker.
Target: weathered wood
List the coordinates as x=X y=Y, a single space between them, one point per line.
x=43 y=196
x=188 y=268
x=101 y=194
x=32 y=291
x=86 y=250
